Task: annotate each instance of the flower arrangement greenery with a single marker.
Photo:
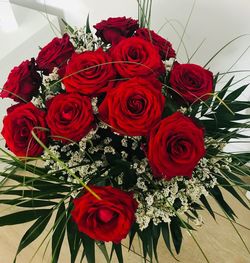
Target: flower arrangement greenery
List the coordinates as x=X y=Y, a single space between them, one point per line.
x=117 y=138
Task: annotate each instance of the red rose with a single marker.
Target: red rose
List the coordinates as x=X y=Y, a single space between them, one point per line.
x=137 y=57
x=70 y=116
x=175 y=147
x=134 y=106
x=55 y=54
x=165 y=47
x=23 y=82
x=108 y=219
x=89 y=73
x=17 y=127
x=115 y=29
x=192 y=82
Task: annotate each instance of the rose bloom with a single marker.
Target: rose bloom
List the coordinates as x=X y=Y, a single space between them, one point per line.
x=134 y=106
x=55 y=54
x=89 y=73
x=114 y=29
x=166 y=50
x=70 y=117
x=23 y=82
x=108 y=219
x=191 y=82
x=175 y=147
x=137 y=57
x=17 y=126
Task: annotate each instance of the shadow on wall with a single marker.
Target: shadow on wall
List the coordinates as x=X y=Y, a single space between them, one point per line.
x=42 y=6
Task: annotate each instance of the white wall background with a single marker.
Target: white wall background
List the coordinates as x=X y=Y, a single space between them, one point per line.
x=217 y=21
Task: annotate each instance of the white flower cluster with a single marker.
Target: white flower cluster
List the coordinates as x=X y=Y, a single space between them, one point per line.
x=134 y=139
x=49 y=161
x=47 y=89
x=53 y=76
x=76 y=159
x=51 y=84
x=140 y=166
x=38 y=102
x=94 y=101
x=83 y=41
x=183 y=110
x=159 y=200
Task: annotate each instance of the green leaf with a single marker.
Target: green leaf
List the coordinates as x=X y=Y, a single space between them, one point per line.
x=38 y=183
x=34 y=231
x=216 y=193
x=207 y=205
x=236 y=180
x=206 y=105
x=170 y=106
x=215 y=79
x=23 y=166
x=155 y=235
x=186 y=225
x=73 y=235
x=236 y=93
x=242 y=170
x=58 y=232
x=88 y=30
x=226 y=185
x=89 y=248
x=27 y=202
x=241 y=158
x=71 y=30
x=132 y=235
x=103 y=248
x=236 y=106
x=45 y=185
x=118 y=251
x=223 y=91
x=176 y=233
x=166 y=238
x=22 y=217
x=33 y=194
x=146 y=239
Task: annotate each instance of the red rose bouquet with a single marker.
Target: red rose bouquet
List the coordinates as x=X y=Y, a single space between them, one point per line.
x=129 y=141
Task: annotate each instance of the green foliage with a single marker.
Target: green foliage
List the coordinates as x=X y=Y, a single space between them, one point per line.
x=144 y=12
x=34 y=231
x=59 y=229
x=22 y=216
x=89 y=248
x=73 y=235
x=88 y=30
